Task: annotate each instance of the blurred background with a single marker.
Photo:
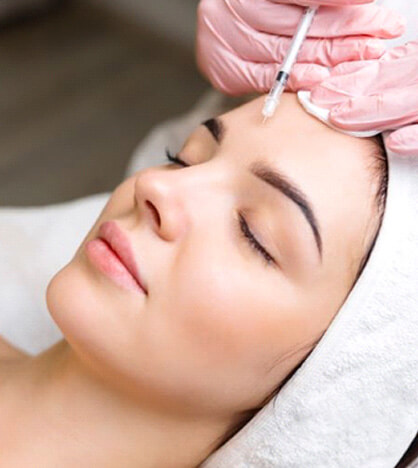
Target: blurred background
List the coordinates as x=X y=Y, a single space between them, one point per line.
x=81 y=83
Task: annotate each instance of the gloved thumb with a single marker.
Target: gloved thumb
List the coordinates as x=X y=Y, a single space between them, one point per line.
x=381 y=111
x=404 y=141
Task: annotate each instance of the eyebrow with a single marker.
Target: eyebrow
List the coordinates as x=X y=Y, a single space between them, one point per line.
x=216 y=128
x=276 y=180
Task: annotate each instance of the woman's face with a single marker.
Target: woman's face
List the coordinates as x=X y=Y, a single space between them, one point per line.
x=223 y=322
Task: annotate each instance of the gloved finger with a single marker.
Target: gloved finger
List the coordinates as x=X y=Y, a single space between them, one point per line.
x=408 y=49
x=238 y=38
x=338 y=88
x=275 y=18
x=404 y=141
x=244 y=77
x=325 y=2
x=374 y=78
x=344 y=68
x=235 y=76
x=260 y=77
x=254 y=46
x=306 y=76
x=393 y=109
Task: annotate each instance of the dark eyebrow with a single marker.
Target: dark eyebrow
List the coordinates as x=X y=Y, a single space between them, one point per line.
x=216 y=128
x=290 y=190
x=275 y=179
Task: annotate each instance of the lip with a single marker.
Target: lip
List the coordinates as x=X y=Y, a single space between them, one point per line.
x=111 y=251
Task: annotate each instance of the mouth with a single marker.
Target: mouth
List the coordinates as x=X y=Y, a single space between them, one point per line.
x=112 y=253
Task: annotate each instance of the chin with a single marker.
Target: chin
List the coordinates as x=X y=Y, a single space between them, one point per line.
x=71 y=303
x=94 y=316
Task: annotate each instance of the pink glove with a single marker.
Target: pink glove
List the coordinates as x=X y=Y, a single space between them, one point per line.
x=378 y=94
x=241 y=42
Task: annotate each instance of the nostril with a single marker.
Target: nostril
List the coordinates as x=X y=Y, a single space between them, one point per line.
x=154 y=212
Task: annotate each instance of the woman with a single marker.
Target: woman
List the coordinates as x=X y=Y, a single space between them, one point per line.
x=229 y=275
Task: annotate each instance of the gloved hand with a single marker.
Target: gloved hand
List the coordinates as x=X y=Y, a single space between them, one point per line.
x=240 y=43
x=378 y=94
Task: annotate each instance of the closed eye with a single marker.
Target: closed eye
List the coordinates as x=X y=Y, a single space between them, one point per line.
x=174 y=159
x=254 y=243
x=243 y=225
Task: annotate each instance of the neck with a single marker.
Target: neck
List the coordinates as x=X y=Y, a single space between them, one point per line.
x=55 y=412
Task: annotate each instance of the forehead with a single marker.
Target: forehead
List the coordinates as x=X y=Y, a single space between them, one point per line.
x=294 y=139
x=331 y=168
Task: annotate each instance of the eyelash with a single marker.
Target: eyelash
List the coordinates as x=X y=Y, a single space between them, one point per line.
x=174 y=159
x=244 y=229
x=249 y=236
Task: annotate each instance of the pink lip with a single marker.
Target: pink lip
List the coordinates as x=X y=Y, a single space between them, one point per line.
x=112 y=253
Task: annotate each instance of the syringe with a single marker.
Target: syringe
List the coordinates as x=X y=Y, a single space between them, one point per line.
x=272 y=99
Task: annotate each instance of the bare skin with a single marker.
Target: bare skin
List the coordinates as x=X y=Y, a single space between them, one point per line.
x=9 y=352
x=153 y=380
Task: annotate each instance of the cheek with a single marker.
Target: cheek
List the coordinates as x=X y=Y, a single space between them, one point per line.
x=222 y=317
x=240 y=319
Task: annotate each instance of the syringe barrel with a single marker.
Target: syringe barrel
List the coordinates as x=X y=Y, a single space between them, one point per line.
x=298 y=39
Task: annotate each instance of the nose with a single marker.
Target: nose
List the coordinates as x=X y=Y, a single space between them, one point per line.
x=160 y=201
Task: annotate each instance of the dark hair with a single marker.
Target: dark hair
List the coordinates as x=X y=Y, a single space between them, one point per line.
x=410 y=455
x=379 y=171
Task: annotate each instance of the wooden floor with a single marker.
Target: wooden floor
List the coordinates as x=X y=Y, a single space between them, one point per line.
x=78 y=91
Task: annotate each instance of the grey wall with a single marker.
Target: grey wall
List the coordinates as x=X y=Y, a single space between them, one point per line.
x=12 y=8
x=175 y=19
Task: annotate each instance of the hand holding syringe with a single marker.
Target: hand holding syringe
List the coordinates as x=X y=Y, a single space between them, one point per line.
x=240 y=43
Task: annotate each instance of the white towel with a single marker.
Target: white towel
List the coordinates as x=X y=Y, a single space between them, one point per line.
x=36 y=242
x=322 y=114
